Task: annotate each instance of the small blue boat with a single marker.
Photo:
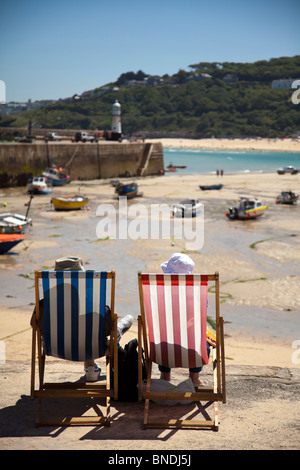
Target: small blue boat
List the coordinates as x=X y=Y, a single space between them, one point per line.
x=57 y=176
x=211 y=186
x=129 y=190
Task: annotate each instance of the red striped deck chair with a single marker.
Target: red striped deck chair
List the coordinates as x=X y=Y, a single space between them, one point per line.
x=73 y=322
x=172 y=331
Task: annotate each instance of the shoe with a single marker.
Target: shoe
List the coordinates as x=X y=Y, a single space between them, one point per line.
x=92 y=373
x=124 y=324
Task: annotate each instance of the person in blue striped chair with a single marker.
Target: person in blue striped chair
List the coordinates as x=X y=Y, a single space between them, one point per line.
x=91 y=368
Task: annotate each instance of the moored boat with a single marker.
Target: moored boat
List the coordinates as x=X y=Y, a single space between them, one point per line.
x=57 y=176
x=8 y=241
x=67 y=203
x=174 y=167
x=168 y=170
x=187 y=208
x=248 y=208
x=129 y=190
x=287 y=197
x=211 y=186
x=11 y=223
x=287 y=169
x=39 y=185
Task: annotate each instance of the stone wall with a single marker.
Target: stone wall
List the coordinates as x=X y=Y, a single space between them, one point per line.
x=86 y=160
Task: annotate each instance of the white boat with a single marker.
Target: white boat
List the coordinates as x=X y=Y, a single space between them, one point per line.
x=248 y=208
x=13 y=223
x=39 y=185
x=287 y=169
x=287 y=197
x=187 y=208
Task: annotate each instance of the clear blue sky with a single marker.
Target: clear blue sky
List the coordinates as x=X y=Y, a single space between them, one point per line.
x=53 y=49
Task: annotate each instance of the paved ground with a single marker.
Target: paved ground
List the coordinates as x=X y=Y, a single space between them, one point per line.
x=262 y=412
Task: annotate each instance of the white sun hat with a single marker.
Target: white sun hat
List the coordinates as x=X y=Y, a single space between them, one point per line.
x=179 y=263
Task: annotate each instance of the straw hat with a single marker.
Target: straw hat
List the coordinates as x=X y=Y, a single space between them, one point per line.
x=69 y=263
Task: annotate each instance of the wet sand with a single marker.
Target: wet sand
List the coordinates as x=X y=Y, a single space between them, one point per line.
x=258 y=262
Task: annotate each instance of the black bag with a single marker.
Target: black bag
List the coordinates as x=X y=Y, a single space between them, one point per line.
x=128 y=371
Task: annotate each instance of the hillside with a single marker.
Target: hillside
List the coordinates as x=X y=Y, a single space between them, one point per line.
x=209 y=99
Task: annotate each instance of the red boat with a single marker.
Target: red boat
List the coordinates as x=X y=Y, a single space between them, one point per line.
x=8 y=241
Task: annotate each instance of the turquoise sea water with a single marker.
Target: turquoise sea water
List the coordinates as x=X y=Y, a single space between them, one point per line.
x=231 y=161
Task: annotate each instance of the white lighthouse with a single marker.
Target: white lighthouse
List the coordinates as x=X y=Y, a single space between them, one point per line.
x=116 y=128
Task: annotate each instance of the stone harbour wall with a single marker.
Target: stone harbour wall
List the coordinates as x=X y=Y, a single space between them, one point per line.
x=84 y=160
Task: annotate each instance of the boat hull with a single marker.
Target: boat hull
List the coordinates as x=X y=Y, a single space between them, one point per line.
x=8 y=241
x=60 y=182
x=37 y=190
x=235 y=214
x=69 y=203
x=211 y=187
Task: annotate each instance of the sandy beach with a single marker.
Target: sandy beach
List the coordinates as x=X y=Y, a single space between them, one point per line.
x=258 y=262
x=281 y=145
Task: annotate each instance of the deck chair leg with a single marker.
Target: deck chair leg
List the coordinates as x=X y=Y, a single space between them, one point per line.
x=216 y=426
x=223 y=359
x=215 y=380
x=107 y=421
x=33 y=353
x=140 y=369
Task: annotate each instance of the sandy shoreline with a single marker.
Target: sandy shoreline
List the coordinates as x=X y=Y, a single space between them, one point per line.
x=280 y=145
x=258 y=262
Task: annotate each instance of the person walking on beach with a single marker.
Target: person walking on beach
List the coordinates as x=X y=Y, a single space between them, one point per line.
x=179 y=263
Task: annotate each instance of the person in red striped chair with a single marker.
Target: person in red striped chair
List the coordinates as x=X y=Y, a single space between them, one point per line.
x=180 y=263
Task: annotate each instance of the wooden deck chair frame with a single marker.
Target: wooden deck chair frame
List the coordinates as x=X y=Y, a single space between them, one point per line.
x=77 y=389
x=209 y=395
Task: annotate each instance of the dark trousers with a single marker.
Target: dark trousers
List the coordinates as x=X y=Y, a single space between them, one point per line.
x=192 y=369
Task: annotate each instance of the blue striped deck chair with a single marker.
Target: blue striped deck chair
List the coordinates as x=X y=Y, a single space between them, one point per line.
x=69 y=324
x=172 y=329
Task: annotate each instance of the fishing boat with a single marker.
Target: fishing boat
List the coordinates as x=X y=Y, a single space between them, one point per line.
x=187 y=208
x=68 y=203
x=129 y=190
x=39 y=185
x=287 y=169
x=8 y=241
x=211 y=186
x=172 y=167
x=57 y=176
x=168 y=170
x=287 y=197
x=13 y=223
x=249 y=208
